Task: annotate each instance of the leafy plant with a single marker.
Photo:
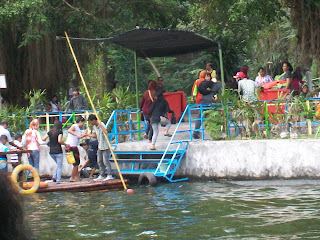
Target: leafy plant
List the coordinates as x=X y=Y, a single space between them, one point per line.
x=36 y=99
x=214 y=123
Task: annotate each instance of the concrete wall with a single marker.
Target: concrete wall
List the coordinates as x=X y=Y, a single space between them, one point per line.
x=233 y=159
x=252 y=159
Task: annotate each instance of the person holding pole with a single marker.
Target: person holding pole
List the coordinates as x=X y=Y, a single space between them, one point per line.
x=103 y=148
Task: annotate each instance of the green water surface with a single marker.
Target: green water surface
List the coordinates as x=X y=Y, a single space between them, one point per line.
x=275 y=209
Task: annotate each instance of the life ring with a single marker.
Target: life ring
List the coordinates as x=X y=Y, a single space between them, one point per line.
x=36 y=178
x=150 y=177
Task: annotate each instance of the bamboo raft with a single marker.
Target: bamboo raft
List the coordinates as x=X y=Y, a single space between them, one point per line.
x=83 y=186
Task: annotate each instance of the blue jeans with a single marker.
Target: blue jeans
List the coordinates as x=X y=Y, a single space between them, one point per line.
x=34 y=159
x=58 y=158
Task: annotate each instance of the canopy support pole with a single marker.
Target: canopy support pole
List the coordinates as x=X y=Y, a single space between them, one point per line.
x=137 y=92
x=221 y=68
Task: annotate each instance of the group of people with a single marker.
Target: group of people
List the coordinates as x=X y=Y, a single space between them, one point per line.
x=154 y=108
x=98 y=154
x=291 y=81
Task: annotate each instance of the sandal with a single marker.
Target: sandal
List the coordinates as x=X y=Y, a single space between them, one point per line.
x=153 y=149
x=168 y=135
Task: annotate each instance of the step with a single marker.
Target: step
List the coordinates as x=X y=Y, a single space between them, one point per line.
x=157 y=152
x=140 y=171
x=143 y=160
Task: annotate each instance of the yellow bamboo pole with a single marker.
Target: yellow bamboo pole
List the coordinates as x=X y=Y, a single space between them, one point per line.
x=95 y=112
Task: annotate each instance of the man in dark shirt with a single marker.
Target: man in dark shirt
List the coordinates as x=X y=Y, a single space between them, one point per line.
x=77 y=102
x=161 y=84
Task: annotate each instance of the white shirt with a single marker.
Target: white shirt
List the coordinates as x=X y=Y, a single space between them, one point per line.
x=14 y=157
x=54 y=107
x=72 y=140
x=246 y=87
x=32 y=141
x=4 y=131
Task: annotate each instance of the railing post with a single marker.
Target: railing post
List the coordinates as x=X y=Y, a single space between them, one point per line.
x=190 y=121
x=115 y=127
x=309 y=120
x=47 y=122
x=266 y=117
x=201 y=119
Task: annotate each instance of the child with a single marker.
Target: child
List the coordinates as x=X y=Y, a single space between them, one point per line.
x=74 y=134
x=15 y=157
x=91 y=146
x=3 y=158
x=103 y=148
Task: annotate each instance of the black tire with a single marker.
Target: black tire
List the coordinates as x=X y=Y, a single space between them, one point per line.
x=149 y=177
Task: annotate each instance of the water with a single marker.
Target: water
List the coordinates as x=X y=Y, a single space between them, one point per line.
x=286 y=209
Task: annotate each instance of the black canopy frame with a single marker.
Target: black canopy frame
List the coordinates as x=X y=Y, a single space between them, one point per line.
x=150 y=42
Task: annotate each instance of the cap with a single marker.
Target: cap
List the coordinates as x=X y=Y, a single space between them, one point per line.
x=239 y=75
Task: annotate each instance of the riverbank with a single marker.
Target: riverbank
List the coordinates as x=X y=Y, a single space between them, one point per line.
x=237 y=159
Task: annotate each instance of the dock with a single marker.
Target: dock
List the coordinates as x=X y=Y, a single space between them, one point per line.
x=83 y=186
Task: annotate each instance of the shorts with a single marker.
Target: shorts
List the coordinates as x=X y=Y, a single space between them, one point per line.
x=76 y=154
x=93 y=161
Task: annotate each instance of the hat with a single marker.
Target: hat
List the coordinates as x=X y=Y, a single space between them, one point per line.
x=239 y=75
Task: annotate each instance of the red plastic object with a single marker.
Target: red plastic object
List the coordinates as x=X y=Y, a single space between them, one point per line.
x=177 y=103
x=273 y=94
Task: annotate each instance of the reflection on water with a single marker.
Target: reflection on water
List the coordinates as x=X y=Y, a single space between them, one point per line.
x=286 y=209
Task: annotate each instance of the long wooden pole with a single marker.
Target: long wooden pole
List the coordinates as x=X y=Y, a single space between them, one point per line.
x=95 y=112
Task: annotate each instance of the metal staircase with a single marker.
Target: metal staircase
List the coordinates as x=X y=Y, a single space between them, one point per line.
x=161 y=163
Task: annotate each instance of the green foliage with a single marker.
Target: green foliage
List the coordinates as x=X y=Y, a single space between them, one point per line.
x=16 y=118
x=214 y=123
x=36 y=99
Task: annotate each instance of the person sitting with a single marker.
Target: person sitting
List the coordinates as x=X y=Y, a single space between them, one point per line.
x=55 y=105
x=246 y=87
x=77 y=102
x=262 y=77
x=161 y=84
x=196 y=95
x=297 y=79
x=3 y=158
x=209 y=91
x=305 y=92
x=286 y=75
x=158 y=111
x=209 y=69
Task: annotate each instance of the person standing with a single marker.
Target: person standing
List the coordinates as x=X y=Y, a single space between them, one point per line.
x=209 y=90
x=14 y=157
x=196 y=95
x=297 y=80
x=77 y=102
x=145 y=105
x=4 y=131
x=3 y=158
x=209 y=69
x=100 y=129
x=55 y=142
x=159 y=110
x=246 y=87
x=32 y=140
x=74 y=134
x=161 y=84
x=55 y=105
